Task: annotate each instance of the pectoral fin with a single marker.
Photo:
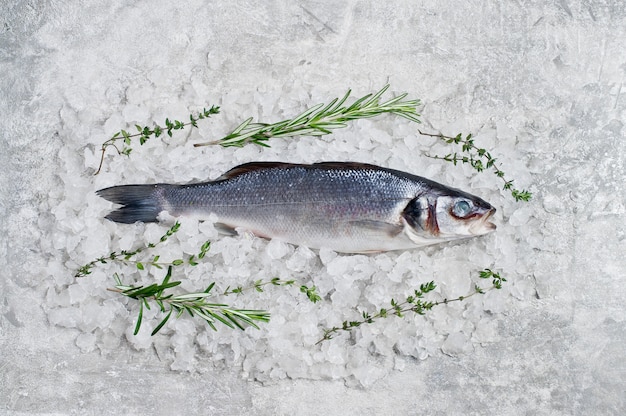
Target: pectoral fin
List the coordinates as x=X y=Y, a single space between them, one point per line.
x=233 y=231
x=379 y=227
x=225 y=229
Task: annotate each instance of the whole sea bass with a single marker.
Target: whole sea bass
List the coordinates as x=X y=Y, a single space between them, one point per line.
x=347 y=207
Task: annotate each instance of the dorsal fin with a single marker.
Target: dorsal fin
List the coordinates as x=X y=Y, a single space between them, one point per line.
x=250 y=167
x=254 y=166
x=345 y=165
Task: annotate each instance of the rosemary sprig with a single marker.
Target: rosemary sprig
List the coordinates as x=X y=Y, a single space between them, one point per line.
x=413 y=303
x=319 y=120
x=195 y=304
x=145 y=133
x=479 y=158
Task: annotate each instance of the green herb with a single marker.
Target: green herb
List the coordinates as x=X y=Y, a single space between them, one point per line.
x=125 y=256
x=258 y=286
x=311 y=293
x=195 y=304
x=497 y=280
x=480 y=159
x=413 y=303
x=145 y=133
x=319 y=120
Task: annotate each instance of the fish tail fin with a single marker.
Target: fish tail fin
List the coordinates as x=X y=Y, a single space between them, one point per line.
x=141 y=203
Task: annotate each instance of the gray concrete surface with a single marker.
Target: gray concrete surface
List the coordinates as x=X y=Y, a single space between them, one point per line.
x=552 y=70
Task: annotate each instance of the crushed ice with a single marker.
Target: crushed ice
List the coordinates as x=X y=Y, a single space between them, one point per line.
x=348 y=284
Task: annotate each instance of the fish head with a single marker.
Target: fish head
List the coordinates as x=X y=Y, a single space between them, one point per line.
x=446 y=215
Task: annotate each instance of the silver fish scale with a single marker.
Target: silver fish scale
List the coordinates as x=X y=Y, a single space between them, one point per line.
x=308 y=205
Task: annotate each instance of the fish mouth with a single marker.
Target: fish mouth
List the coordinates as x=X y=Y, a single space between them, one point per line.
x=488 y=215
x=484 y=226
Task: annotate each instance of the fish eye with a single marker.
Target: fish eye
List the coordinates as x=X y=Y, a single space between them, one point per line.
x=462 y=209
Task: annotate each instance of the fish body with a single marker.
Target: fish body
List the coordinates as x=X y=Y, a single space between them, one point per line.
x=347 y=207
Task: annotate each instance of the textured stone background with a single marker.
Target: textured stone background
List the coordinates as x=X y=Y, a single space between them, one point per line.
x=553 y=71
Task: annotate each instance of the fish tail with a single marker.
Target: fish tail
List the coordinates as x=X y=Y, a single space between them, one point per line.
x=141 y=203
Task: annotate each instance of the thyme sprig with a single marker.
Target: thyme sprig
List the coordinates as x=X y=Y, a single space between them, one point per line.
x=310 y=292
x=145 y=133
x=320 y=119
x=125 y=256
x=195 y=304
x=479 y=158
x=413 y=303
x=258 y=286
